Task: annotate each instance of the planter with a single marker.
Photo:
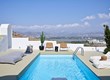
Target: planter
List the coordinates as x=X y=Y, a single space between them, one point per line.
x=41 y=47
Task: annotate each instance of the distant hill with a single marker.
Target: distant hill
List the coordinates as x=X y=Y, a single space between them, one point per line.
x=20 y=35
x=58 y=31
x=15 y=35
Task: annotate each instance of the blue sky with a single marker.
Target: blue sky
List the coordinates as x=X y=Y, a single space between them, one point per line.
x=86 y=14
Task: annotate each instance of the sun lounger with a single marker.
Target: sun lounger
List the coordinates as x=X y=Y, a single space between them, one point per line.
x=49 y=46
x=11 y=58
x=98 y=57
x=18 y=53
x=101 y=64
x=63 y=46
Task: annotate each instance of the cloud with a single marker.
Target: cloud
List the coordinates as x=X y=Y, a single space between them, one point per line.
x=88 y=18
x=104 y=16
x=86 y=24
x=50 y=27
x=59 y=25
x=72 y=25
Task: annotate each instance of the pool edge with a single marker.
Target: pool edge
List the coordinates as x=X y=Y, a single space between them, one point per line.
x=19 y=75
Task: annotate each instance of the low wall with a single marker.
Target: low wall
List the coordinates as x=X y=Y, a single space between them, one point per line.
x=74 y=46
x=19 y=43
x=22 y=43
x=100 y=49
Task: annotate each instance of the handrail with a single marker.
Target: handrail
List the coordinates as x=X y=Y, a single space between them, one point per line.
x=82 y=51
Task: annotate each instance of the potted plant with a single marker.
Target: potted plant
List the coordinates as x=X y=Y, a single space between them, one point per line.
x=42 y=39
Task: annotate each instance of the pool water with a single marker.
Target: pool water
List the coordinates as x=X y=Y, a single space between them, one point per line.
x=46 y=67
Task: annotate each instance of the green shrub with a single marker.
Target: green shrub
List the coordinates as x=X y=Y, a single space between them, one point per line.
x=106 y=50
x=107 y=38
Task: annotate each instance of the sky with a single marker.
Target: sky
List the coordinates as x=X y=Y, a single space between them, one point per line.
x=80 y=15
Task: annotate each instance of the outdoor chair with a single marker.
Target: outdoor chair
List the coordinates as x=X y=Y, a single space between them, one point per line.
x=49 y=46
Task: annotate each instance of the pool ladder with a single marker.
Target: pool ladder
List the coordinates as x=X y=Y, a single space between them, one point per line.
x=77 y=49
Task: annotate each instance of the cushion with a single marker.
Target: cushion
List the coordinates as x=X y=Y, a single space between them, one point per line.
x=49 y=45
x=63 y=45
x=9 y=59
x=20 y=54
x=103 y=58
x=108 y=55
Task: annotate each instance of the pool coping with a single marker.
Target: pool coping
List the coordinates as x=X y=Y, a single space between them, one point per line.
x=104 y=74
x=10 y=72
x=87 y=67
x=19 y=75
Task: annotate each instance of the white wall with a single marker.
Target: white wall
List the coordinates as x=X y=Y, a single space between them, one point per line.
x=19 y=43
x=22 y=43
x=6 y=32
x=100 y=49
x=3 y=44
x=74 y=46
x=4 y=29
x=9 y=34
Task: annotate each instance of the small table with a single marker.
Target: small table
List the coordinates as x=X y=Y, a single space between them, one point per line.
x=56 y=48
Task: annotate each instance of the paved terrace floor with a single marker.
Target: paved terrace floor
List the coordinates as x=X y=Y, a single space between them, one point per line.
x=9 y=71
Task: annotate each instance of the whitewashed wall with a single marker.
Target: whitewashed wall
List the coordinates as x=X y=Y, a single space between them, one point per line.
x=22 y=43
x=6 y=32
x=3 y=44
x=100 y=49
x=9 y=35
x=74 y=46
x=19 y=43
x=5 y=29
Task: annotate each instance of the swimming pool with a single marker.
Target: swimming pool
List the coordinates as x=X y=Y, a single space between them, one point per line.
x=50 y=67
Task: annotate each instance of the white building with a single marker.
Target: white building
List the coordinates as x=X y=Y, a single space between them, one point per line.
x=97 y=41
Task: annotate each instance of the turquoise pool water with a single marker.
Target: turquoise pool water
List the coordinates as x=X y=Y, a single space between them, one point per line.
x=48 y=67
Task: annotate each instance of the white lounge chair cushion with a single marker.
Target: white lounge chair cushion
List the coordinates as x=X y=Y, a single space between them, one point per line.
x=101 y=64
x=49 y=49
x=108 y=55
x=92 y=58
x=63 y=49
x=99 y=57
